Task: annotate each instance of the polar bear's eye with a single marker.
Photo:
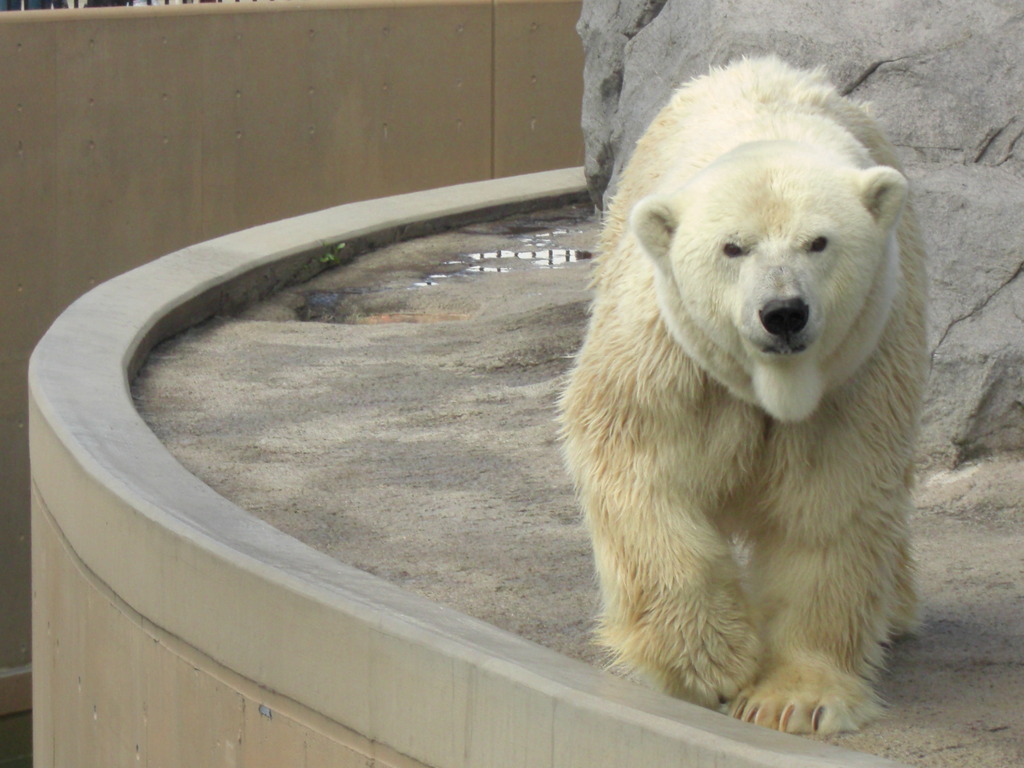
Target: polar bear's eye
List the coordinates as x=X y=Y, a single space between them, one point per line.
x=732 y=250
x=818 y=244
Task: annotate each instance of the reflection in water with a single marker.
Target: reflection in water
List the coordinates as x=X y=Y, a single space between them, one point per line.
x=503 y=261
x=536 y=242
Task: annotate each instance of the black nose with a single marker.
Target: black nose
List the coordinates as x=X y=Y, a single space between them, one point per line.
x=783 y=317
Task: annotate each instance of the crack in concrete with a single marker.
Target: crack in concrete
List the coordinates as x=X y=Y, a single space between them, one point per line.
x=863 y=76
x=872 y=68
x=1011 y=147
x=990 y=139
x=975 y=310
x=922 y=147
x=648 y=14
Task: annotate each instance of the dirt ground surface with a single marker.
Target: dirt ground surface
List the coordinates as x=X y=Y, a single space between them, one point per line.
x=398 y=412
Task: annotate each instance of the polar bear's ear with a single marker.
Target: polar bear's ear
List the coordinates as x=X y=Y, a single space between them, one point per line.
x=654 y=222
x=883 y=191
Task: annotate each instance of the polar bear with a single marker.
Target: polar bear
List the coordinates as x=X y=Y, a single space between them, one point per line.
x=750 y=380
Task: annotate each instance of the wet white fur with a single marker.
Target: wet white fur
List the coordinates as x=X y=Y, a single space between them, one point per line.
x=684 y=436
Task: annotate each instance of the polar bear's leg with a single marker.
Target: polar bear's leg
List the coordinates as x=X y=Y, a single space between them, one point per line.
x=826 y=608
x=905 y=619
x=673 y=604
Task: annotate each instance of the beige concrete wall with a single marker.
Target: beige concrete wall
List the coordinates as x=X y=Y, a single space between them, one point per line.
x=166 y=617
x=128 y=133
x=131 y=694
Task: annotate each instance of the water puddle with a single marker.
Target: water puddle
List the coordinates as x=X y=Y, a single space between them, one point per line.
x=520 y=242
x=552 y=257
x=506 y=261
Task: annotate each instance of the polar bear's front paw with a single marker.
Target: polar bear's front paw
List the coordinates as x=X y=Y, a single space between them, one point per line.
x=799 y=699
x=714 y=668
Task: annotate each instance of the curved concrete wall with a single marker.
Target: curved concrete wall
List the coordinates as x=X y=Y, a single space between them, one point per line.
x=126 y=133
x=173 y=628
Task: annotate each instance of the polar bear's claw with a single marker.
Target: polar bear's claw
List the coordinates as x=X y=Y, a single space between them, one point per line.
x=787 y=713
x=816 y=718
x=799 y=701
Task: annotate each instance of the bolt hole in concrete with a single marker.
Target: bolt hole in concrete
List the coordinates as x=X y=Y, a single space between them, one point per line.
x=426 y=452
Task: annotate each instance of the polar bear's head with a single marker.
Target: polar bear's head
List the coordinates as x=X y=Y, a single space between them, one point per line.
x=776 y=268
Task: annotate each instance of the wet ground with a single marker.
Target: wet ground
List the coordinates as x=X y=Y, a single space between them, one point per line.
x=377 y=291
x=407 y=427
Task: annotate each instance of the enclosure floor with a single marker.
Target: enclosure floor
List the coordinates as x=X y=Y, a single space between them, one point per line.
x=407 y=427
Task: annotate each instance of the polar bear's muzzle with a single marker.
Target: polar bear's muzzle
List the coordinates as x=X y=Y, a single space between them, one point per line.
x=779 y=314
x=784 y=320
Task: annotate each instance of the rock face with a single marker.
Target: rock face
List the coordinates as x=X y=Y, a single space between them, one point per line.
x=946 y=80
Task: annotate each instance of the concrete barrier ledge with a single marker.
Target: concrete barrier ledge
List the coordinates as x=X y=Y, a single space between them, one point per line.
x=429 y=683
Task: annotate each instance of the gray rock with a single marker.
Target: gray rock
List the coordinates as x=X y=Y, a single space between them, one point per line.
x=971 y=217
x=946 y=80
